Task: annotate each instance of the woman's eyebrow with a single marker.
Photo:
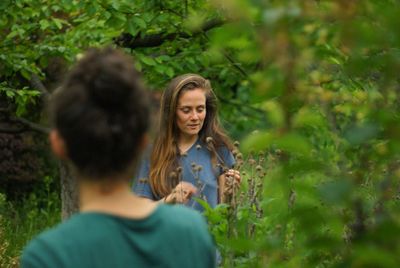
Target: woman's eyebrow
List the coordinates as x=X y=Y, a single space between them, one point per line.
x=188 y=106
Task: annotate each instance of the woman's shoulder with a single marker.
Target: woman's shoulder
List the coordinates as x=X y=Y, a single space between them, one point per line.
x=224 y=150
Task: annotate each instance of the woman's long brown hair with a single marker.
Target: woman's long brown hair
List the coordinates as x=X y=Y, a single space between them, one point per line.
x=164 y=156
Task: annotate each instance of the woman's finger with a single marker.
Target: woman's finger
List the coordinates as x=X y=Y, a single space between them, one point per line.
x=189 y=187
x=183 y=192
x=238 y=177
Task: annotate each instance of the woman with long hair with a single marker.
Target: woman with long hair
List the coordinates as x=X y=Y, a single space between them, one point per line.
x=191 y=155
x=100 y=117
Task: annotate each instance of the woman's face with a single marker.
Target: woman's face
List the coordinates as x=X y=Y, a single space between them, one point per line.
x=191 y=112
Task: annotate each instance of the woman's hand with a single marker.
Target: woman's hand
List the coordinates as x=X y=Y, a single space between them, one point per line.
x=228 y=183
x=181 y=193
x=235 y=177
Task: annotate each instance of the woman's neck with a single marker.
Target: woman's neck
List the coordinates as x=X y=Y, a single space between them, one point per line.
x=113 y=197
x=185 y=142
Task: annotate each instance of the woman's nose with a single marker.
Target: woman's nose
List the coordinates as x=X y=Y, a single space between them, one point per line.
x=194 y=116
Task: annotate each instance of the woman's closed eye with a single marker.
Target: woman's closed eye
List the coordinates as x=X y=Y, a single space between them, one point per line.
x=185 y=110
x=200 y=109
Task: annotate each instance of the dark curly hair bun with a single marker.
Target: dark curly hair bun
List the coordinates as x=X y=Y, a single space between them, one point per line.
x=101 y=111
x=103 y=84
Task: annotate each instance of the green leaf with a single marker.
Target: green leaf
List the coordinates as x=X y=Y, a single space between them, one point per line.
x=44 y=24
x=131 y=27
x=170 y=72
x=126 y=7
x=140 y=22
x=294 y=143
x=195 y=21
x=117 y=20
x=308 y=117
x=274 y=112
x=203 y=203
x=10 y=93
x=58 y=23
x=163 y=58
x=26 y=74
x=148 y=60
x=258 y=141
x=290 y=142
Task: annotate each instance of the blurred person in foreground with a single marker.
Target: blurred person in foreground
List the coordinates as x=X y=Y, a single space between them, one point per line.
x=100 y=117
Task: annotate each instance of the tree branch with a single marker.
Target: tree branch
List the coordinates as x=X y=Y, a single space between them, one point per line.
x=128 y=41
x=231 y=61
x=12 y=130
x=37 y=83
x=242 y=105
x=28 y=125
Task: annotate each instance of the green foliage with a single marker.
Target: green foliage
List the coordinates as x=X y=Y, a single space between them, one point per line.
x=325 y=80
x=22 y=97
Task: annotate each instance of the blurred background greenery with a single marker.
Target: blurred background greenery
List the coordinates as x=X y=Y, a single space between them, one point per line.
x=310 y=88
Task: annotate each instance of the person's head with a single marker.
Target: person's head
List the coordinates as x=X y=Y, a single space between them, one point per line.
x=188 y=107
x=100 y=115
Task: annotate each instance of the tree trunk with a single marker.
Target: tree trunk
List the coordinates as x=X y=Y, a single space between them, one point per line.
x=69 y=192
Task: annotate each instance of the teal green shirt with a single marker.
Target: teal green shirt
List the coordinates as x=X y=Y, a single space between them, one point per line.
x=172 y=236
